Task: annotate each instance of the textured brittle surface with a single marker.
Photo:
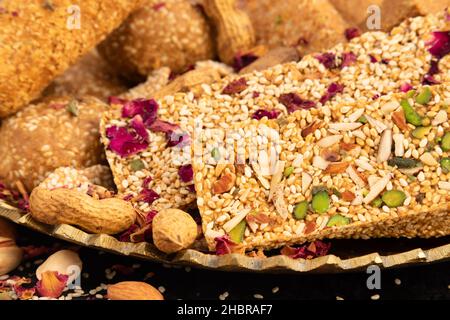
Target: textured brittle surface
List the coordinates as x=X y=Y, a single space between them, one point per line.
x=382 y=63
x=47 y=135
x=340 y=155
x=40 y=40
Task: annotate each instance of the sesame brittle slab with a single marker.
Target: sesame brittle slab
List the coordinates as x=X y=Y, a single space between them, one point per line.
x=348 y=170
x=362 y=70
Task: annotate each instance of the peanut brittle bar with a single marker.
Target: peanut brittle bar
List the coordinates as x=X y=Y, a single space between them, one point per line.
x=362 y=70
x=346 y=170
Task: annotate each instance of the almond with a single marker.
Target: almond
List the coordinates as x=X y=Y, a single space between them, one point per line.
x=310 y=129
x=335 y=168
x=347 y=146
x=330 y=155
x=348 y=196
x=133 y=290
x=399 y=119
x=225 y=183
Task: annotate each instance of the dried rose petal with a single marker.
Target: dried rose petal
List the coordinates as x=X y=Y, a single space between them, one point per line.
x=255 y=95
x=242 y=60
x=186 y=173
x=146 y=182
x=332 y=90
x=294 y=102
x=125 y=142
x=373 y=59
x=191 y=187
x=224 y=245
x=147 y=109
x=351 y=33
x=128 y=197
x=328 y=59
x=137 y=123
x=405 y=87
x=439 y=45
x=313 y=250
x=125 y=236
x=163 y=126
x=235 y=86
x=270 y=114
x=24 y=293
x=375 y=96
x=149 y=217
x=348 y=58
x=51 y=284
x=178 y=139
x=428 y=79
x=147 y=195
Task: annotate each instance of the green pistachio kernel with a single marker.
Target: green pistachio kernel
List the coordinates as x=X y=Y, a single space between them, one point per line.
x=411 y=115
x=288 y=171
x=362 y=120
x=420 y=132
x=424 y=96
x=321 y=202
x=300 y=210
x=445 y=142
x=410 y=94
x=237 y=233
x=215 y=153
x=393 y=198
x=445 y=165
x=137 y=165
x=338 y=220
x=377 y=202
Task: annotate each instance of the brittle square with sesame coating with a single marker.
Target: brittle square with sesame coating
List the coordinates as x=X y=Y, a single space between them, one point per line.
x=363 y=69
x=347 y=170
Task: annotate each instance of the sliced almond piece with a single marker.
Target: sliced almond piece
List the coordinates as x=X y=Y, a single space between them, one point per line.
x=320 y=162
x=428 y=159
x=355 y=115
x=261 y=179
x=378 y=125
x=233 y=222
x=399 y=148
x=372 y=179
x=390 y=106
x=384 y=149
x=336 y=167
x=353 y=174
x=329 y=141
x=440 y=117
x=377 y=188
x=306 y=181
x=344 y=126
x=279 y=202
x=276 y=177
x=363 y=164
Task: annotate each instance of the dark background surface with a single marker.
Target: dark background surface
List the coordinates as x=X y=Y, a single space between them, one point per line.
x=420 y=282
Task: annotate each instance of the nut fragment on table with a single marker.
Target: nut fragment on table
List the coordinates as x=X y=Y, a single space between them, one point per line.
x=173 y=230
